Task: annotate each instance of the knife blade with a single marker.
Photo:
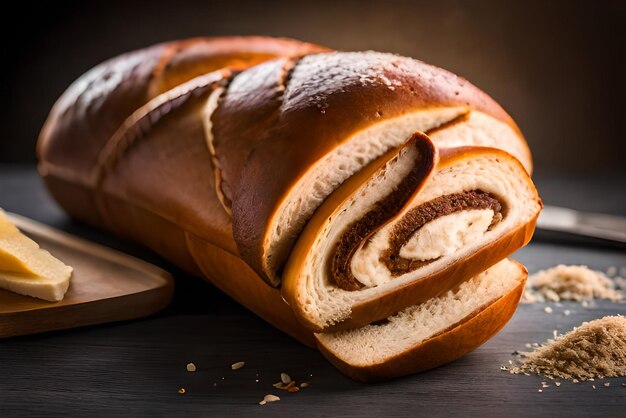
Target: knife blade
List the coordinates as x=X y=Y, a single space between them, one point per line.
x=596 y=226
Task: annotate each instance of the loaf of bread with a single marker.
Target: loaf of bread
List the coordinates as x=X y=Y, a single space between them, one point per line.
x=325 y=191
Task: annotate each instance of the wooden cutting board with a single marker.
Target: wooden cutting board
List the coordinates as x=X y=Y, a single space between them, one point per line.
x=106 y=286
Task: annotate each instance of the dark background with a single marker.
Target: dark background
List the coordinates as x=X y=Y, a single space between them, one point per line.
x=557 y=67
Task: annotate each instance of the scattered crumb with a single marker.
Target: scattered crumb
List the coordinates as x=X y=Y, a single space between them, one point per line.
x=566 y=312
x=547 y=309
x=557 y=384
x=555 y=333
x=611 y=271
x=182 y=391
x=191 y=367
x=596 y=349
x=577 y=283
x=606 y=385
x=528 y=345
x=269 y=398
x=585 y=303
x=306 y=385
x=510 y=361
x=238 y=365
x=284 y=377
x=504 y=368
x=215 y=384
x=289 y=387
x=540 y=390
x=594 y=387
x=624 y=385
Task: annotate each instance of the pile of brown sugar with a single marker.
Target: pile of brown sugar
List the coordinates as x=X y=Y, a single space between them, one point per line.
x=595 y=350
x=575 y=283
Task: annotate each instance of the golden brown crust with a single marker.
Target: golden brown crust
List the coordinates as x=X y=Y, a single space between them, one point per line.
x=146 y=167
x=193 y=57
x=239 y=281
x=93 y=108
x=328 y=98
x=442 y=348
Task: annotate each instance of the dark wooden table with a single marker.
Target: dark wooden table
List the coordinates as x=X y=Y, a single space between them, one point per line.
x=137 y=367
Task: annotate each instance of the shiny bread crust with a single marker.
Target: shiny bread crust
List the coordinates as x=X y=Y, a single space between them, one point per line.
x=92 y=109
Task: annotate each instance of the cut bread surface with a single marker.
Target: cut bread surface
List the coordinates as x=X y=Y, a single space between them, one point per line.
x=471 y=199
x=377 y=343
x=473 y=129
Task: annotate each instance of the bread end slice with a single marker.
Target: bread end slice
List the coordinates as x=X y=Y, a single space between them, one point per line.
x=433 y=333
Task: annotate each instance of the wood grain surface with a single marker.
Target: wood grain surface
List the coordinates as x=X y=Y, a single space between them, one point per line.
x=136 y=367
x=106 y=286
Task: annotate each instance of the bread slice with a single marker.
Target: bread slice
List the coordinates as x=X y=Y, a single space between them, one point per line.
x=468 y=210
x=430 y=334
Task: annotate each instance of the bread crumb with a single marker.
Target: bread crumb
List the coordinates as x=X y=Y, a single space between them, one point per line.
x=594 y=387
x=263 y=402
x=191 y=367
x=182 y=391
x=284 y=377
x=547 y=309
x=271 y=398
x=304 y=385
x=238 y=365
x=596 y=349
x=540 y=390
x=606 y=385
x=577 y=283
x=557 y=384
x=566 y=312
